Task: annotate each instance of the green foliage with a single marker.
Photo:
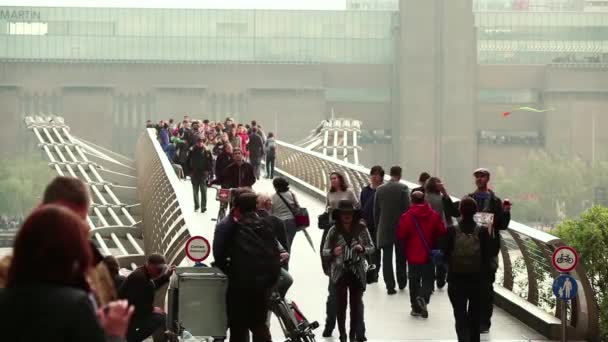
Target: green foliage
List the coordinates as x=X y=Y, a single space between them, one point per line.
x=550 y=188
x=22 y=180
x=589 y=236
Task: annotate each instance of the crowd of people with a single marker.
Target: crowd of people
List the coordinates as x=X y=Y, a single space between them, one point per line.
x=10 y=222
x=434 y=241
x=226 y=153
x=417 y=237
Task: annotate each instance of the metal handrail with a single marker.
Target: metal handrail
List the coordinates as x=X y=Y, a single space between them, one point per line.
x=66 y=157
x=519 y=287
x=166 y=227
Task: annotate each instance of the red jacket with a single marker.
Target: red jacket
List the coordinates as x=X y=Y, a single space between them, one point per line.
x=431 y=226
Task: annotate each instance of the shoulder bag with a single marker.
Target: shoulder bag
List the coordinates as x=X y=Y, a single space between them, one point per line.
x=436 y=255
x=300 y=214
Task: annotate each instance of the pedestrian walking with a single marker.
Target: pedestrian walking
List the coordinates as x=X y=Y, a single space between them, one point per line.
x=346 y=245
x=284 y=204
x=500 y=216
x=391 y=201
x=200 y=163
x=338 y=191
x=256 y=150
x=367 y=197
x=271 y=155
x=468 y=251
x=419 y=231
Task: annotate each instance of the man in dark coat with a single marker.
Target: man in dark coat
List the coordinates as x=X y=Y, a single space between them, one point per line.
x=391 y=201
x=139 y=289
x=256 y=151
x=376 y=178
x=200 y=162
x=236 y=175
x=489 y=203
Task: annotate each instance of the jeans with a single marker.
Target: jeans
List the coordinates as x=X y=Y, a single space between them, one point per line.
x=140 y=328
x=422 y=278
x=465 y=297
x=487 y=299
x=284 y=283
x=199 y=184
x=349 y=287
x=440 y=275
x=247 y=311
x=331 y=307
x=387 y=266
x=292 y=230
x=270 y=167
x=256 y=163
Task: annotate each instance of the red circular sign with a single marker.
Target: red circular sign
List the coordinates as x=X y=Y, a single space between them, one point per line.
x=565 y=259
x=198 y=248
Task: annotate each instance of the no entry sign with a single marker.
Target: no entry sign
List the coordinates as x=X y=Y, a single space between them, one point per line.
x=565 y=259
x=197 y=248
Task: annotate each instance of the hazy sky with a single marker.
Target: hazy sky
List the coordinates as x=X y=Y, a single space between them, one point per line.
x=261 y=4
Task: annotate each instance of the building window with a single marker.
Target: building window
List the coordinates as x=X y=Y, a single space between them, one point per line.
x=231 y=29
x=487 y=137
x=509 y=96
x=24 y=28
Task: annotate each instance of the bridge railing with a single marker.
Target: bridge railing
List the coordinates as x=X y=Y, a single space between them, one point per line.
x=525 y=268
x=165 y=225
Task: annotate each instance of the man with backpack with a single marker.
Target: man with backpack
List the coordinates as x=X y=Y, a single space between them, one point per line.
x=253 y=269
x=499 y=215
x=468 y=251
x=271 y=155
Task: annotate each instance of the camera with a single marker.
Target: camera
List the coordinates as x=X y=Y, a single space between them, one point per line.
x=350 y=255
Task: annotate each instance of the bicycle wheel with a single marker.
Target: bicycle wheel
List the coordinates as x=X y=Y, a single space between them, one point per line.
x=308 y=337
x=222 y=213
x=287 y=320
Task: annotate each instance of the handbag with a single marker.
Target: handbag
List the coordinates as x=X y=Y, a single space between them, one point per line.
x=300 y=215
x=436 y=255
x=323 y=221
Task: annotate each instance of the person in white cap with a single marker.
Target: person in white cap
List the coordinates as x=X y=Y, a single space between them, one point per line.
x=500 y=215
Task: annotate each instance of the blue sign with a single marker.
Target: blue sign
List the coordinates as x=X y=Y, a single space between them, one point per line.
x=565 y=287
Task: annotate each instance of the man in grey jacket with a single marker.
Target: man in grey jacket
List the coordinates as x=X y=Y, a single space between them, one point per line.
x=391 y=201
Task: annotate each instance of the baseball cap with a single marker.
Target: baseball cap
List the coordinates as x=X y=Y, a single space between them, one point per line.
x=482 y=170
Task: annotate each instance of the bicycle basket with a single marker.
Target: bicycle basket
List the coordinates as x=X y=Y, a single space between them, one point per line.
x=224 y=195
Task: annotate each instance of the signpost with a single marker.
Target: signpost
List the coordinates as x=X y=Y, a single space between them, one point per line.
x=198 y=248
x=565 y=259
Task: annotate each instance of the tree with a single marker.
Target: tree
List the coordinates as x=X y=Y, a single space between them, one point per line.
x=22 y=181
x=589 y=236
x=551 y=188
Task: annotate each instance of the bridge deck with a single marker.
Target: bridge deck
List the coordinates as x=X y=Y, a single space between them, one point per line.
x=387 y=317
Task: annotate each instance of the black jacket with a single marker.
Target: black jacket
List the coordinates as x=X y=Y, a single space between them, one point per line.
x=200 y=160
x=489 y=248
x=47 y=312
x=222 y=162
x=139 y=289
x=494 y=205
x=255 y=146
x=278 y=226
x=236 y=176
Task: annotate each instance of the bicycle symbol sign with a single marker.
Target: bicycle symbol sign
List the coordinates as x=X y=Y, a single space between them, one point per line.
x=565 y=259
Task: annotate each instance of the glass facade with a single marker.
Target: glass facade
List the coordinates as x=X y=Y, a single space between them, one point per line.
x=509 y=96
x=505 y=35
x=196 y=35
x=541 y=37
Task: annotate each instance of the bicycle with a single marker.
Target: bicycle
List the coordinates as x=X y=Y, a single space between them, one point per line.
x=565 y=258
x=295 y=326
x=224 y=196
